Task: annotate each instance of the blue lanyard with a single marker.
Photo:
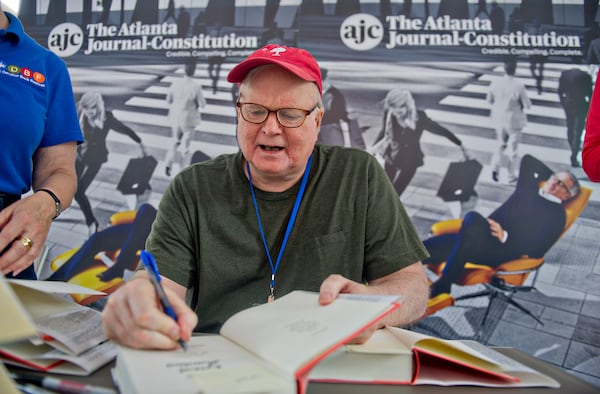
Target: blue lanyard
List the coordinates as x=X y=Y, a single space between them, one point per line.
x=288 y=230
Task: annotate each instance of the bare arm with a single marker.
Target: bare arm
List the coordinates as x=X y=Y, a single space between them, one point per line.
x=410 y=282
x=53 y=169
x=133 y=316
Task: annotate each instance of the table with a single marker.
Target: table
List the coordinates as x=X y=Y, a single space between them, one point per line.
x=569 y=383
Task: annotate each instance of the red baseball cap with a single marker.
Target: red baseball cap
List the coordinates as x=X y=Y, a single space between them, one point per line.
x=296 y=60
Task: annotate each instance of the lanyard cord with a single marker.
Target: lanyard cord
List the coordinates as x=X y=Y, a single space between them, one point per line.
x=290 y=224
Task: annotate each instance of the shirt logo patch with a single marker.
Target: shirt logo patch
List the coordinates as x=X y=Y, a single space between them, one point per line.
x=23 y=73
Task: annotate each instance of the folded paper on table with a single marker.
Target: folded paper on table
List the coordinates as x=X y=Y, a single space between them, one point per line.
x=41 y=329
x=45 y=358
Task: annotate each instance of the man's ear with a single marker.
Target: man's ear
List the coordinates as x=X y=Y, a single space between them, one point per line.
x=319 y=117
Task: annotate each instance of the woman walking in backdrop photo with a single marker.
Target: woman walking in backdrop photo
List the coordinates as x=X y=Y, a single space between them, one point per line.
x=95 y=122
x=398 y=142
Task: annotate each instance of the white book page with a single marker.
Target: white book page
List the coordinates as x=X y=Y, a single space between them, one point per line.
x=39 y=304
x=15 y=323
x=410 y=338
x=75 y=328
x=27 y=351
x=508 y=364
x=44 y=356
x=295 y=329
x=383 y=358
x=73 y=331
x=86 y=362
x=527 y=375
x=212 y=364
x=382 y=342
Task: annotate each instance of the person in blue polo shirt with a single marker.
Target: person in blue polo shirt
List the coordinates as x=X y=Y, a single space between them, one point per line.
x=39 y=134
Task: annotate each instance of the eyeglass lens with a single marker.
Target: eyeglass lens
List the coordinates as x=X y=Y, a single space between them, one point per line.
x=560 y=183
x=287 y=117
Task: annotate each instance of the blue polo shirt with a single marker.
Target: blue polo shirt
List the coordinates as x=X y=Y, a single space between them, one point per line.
x=37 y=107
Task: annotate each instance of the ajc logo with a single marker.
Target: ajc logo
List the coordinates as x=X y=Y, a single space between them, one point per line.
x=361 y=32
x=65 y=39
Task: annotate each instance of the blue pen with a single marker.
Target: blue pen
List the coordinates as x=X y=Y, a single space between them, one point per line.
x=150 y=265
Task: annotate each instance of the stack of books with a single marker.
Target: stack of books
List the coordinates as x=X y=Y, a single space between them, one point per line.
x=43 y=329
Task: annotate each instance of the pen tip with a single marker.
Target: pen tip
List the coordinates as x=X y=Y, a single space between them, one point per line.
x=183 y=345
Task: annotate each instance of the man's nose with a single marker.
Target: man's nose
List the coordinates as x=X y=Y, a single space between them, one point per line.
x=271 y=125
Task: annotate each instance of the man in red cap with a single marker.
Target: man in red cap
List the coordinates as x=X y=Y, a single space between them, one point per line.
x=282 y=214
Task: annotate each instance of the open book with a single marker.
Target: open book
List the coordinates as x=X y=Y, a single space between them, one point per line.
x=269 y=348
x=42 y=329
x=398 y=356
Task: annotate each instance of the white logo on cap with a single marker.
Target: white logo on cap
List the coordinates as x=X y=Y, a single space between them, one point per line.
x=277 y=51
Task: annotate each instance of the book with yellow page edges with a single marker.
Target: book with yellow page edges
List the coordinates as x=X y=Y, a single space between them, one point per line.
x=398 y=356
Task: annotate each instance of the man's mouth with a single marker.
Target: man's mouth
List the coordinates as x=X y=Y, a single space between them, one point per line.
x=271 y=148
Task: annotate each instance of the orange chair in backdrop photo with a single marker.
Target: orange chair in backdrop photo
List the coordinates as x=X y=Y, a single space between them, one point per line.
x=505 y=280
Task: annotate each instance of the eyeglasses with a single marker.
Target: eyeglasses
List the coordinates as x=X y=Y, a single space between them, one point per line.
x=287 y=117
x=560 y=183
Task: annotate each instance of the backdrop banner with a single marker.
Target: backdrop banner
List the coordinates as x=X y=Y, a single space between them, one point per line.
x=447 y=58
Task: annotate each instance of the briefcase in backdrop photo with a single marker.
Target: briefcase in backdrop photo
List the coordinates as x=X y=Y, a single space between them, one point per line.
x=355 y=132
x=459 y=182
x=136 y=178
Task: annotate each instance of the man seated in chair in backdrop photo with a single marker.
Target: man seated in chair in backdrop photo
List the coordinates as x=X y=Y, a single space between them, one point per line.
x=528 y=223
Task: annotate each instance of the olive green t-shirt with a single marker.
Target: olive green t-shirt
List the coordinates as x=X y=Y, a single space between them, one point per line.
x=206 y=235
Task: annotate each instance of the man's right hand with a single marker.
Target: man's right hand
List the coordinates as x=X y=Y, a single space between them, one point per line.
x=497 y=230
x=133 y=315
